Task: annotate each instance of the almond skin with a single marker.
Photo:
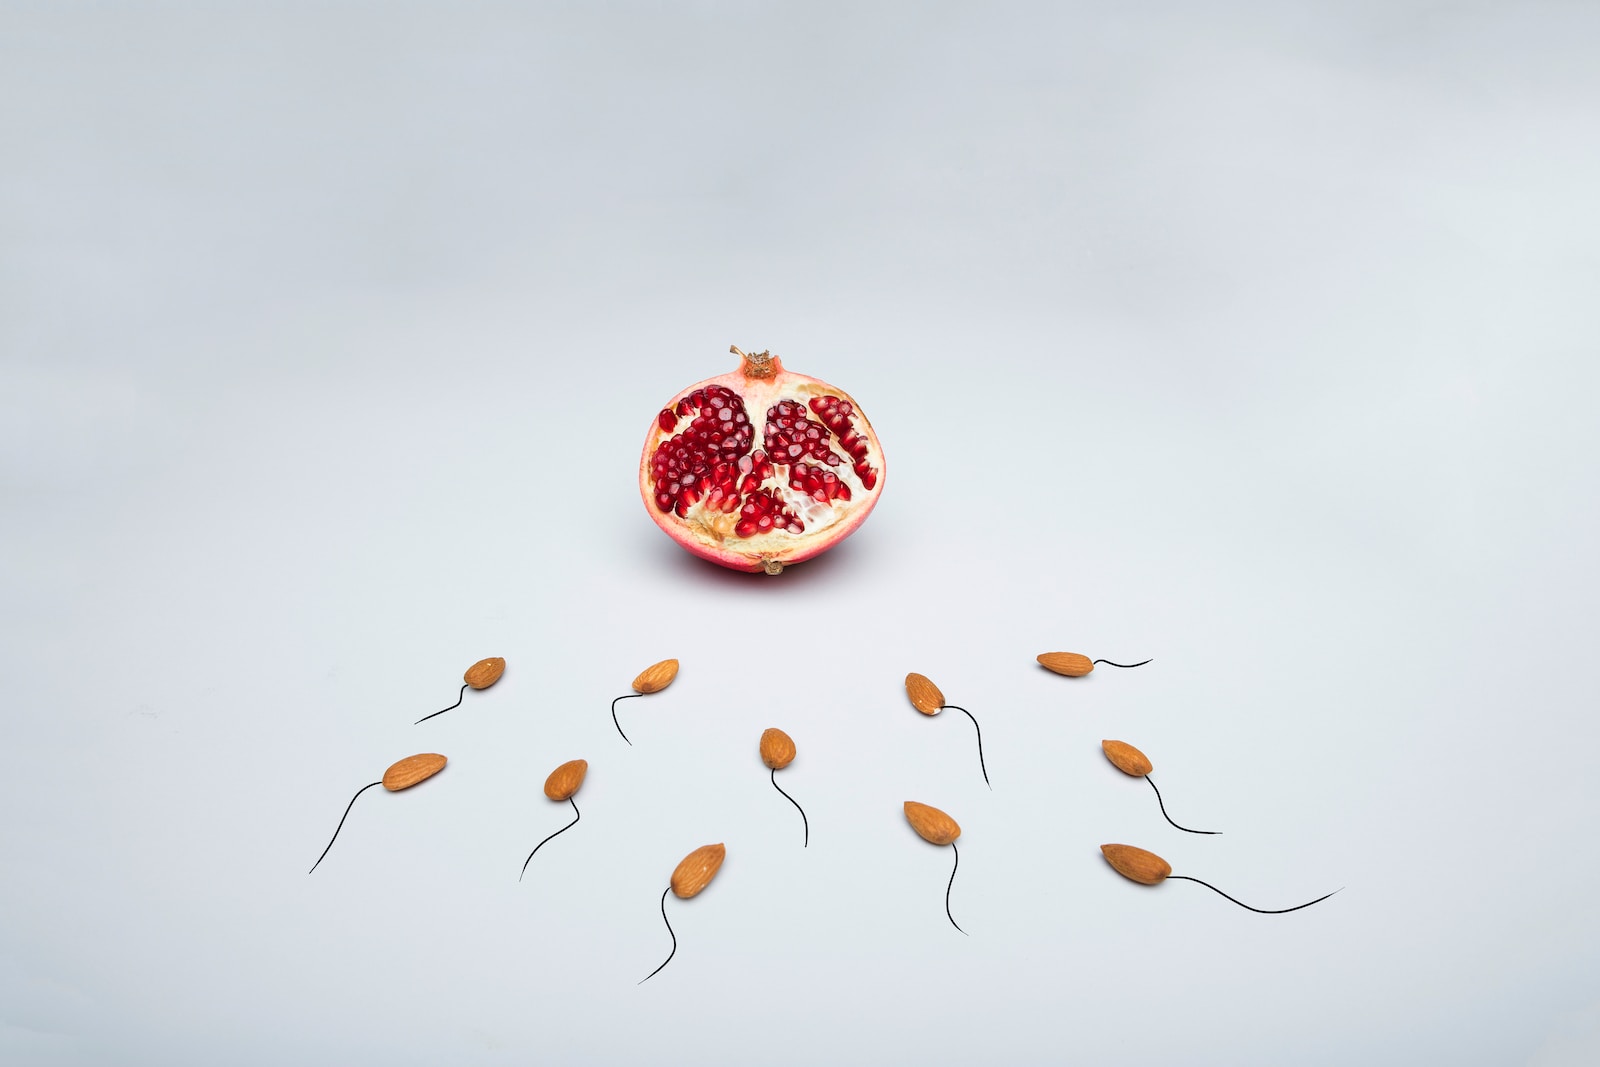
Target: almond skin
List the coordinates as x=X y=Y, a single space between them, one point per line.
x=566 y=779
x=1068 y=663
x=697 y=869
x=1125 y=758
x=777 y=748
x=411 y=770
x=485 y=672
x=931 y=824
x=925 y=696
x=656 y=677
x=1135 y=864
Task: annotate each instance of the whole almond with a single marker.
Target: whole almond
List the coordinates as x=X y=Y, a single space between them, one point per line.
x=1068 y=663
x=777 y=748
x=656 y=677
x=1136 y=864
x=566 y=779
x=1126 y=758
x=925 y=696
x=931 y=823
x=485 y=672
x=411 y=770
x=696 y=870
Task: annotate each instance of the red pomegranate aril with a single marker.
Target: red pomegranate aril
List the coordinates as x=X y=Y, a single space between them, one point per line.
x=759 y=505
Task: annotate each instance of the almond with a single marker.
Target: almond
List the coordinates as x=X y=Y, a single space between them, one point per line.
x=931 y=823
x=1126 y=758
x=656 y=677
x=1136 y=864
x=411 y=770
x=697 y=869
x=925 y=696
x=485 y=672
x=777 y=748
x=566 y=779
x=1068 y=663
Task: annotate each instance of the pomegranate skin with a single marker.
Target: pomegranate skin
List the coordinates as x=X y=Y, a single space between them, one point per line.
x=709 y=496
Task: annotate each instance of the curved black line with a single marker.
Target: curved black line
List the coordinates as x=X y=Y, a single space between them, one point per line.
x=618 y=725
x=1141 y=663
x=576 y=815
x=978 y=728
x=1164 y=814
x=1242 y=904
x=804 y=821
x=342 y=818
x=953 y=869
x=459 y=698
x=674 y=951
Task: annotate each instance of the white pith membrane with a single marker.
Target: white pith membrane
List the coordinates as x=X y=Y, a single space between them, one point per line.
x=831 y=450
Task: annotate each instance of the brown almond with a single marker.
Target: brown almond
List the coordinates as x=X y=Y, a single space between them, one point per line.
x=1136 y=864
x=485 y=672
x=656 y=677
x=1068 y=663
x=777 y=748
x=566 y=779
x=413 y=769
x=925 y=696
x=931 y=823
x=1126 y=758
x=697 y=869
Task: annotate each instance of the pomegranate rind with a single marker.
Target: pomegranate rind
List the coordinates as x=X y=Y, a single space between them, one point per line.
x=711 y=536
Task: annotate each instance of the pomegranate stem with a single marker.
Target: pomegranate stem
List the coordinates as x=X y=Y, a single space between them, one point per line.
x=756 y=364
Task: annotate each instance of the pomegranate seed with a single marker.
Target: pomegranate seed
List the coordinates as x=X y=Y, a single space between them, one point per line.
x=714 y=459
x=711 y=460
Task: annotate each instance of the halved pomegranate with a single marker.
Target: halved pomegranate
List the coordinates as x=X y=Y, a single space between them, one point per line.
x=760 y=503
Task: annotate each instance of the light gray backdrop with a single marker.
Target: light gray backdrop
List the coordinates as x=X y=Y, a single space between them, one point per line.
x=1256 y=338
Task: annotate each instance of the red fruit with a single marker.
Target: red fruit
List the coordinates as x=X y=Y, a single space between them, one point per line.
x=760 y=468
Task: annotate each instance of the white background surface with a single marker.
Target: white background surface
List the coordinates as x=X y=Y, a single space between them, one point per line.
x=1259 y=339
